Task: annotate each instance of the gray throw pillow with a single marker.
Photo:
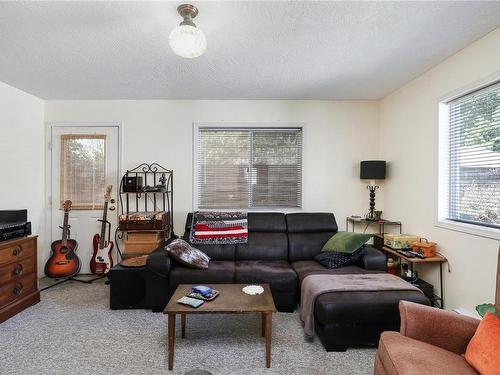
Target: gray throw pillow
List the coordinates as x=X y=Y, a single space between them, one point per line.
x=187 y=255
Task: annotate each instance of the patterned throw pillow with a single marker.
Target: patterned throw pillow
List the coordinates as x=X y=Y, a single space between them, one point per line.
x=334 y=259
x=182 y=252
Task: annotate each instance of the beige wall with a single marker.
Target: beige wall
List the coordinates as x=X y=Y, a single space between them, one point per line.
x=22 y=180
x=337 y=136
x=408 y=126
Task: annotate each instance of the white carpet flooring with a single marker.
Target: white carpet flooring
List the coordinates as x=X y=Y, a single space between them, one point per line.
x=72 y=331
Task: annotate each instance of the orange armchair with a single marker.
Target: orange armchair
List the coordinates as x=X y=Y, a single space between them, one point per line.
x=430 y=341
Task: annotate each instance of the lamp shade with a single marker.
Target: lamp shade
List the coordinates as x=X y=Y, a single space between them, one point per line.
x=372 y=170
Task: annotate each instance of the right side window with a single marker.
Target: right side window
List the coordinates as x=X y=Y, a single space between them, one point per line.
x=474 y=157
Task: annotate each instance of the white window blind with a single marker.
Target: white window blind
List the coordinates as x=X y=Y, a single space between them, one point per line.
x=249 y=167
x=474 y=157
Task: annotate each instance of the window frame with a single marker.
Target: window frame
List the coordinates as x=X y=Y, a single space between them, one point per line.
x=250 y=125
x=442 y=162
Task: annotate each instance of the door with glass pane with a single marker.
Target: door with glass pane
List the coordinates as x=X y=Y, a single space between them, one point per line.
x=84 y=160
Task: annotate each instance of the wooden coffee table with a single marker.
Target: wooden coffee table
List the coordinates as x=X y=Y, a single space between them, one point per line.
x=231 y=300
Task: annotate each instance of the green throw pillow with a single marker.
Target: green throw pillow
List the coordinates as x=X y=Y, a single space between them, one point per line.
x=346 y=242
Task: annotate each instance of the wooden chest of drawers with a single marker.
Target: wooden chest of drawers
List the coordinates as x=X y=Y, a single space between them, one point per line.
x=18 y=276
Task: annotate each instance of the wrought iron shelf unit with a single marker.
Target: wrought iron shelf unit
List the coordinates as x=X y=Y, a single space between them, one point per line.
x=154 y=176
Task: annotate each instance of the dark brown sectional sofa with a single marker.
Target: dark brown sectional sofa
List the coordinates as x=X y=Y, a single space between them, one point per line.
x=280 y=251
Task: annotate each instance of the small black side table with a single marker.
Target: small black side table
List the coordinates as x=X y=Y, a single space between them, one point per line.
x=381 y=223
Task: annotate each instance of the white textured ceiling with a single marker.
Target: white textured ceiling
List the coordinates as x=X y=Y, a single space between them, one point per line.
x=256 y=50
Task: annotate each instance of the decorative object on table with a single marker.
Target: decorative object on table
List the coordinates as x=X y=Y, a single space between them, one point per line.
x=132 y=262
x=102 y=261
x=162 y=187
x=378 y=215
x=63 y=261
x=372 y=170
x=188 y=301
x=210 y=228
x=186 y=40
x=399 y=241
x=202 y=289
x=205 y=297
x=346 y=242
x=335 y=259
x=253 y=290
x=424 y=247
x=187 y=255
x=485 y=308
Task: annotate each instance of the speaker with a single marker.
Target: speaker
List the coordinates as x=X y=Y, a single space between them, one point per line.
x=132 y=184
x=127 y=288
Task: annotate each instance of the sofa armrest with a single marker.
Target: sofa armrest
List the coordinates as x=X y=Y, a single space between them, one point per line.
x=442 y=328
x=373 y=259
x=159 y=261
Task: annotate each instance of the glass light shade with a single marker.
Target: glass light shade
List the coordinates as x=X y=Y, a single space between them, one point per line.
x=187 y=41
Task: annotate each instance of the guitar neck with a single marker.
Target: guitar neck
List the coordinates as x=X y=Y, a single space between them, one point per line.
x=65 y=229
x=103 y=226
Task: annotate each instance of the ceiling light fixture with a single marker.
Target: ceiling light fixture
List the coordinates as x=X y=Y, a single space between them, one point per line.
x=186 y=40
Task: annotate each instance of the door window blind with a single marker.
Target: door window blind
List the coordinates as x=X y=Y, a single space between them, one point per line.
x=249 y=167
x=474 y=157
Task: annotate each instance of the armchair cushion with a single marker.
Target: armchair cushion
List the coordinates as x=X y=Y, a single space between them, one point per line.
x=445 y=329
x=483 y=351
x=400 y=355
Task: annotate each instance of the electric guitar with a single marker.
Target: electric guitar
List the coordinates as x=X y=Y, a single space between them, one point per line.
x=101 y=261
x=63 y=261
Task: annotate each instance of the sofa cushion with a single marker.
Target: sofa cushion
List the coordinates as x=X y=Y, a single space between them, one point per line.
x=363 y=307
x=263 y=246
x=402 y=355
x=218 y=272
x=305 y=268
x=311 y=222
x=277 y=273
x=304 y=246
x=266 y=222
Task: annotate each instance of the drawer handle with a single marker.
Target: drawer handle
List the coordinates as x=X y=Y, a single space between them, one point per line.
x=17 y=251
x=18 y=270
x=17 y=290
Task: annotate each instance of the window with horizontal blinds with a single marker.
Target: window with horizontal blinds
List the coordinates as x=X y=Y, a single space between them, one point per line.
x=474 y=157
x=249 y=167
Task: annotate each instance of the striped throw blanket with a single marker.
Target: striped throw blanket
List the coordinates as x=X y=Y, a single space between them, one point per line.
x=219 y=228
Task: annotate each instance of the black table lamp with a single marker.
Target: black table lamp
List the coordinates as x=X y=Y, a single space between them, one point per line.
x=372 y=170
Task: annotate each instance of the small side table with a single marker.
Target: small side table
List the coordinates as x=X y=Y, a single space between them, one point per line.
x=381 y=223
x=439 y=259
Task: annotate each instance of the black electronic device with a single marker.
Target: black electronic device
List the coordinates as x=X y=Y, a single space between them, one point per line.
x=132 y=184
x=14 y=224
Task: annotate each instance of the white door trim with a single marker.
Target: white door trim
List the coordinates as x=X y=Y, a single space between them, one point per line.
x=49 y=125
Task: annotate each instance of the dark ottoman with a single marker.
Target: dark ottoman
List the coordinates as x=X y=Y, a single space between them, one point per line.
x=346 y=319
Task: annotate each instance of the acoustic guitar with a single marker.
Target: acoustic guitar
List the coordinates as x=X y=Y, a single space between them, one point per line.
x=101 y=261
x=63 y=261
